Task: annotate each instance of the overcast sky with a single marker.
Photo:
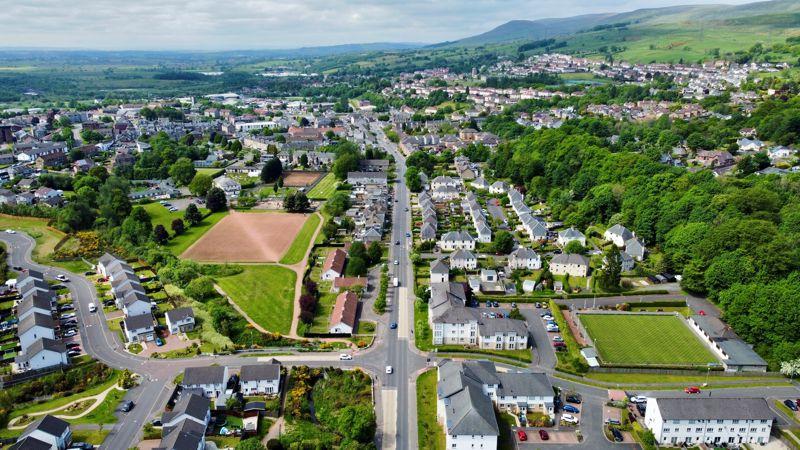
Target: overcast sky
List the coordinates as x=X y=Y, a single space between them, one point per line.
x=261 y=24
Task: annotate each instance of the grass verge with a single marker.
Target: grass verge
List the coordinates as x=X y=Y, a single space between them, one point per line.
x=430 y=434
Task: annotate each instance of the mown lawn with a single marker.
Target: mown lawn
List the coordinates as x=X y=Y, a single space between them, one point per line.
x=301 y=242
x=645 y=339
x=430 y=434
x=265 y=293
x=325 y=188
x=46 y=237
x=160 y=215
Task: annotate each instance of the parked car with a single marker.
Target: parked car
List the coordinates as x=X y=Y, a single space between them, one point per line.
x=393 y=325
x=522 y=435
x=513 y=305
x=569 y=418
x=543 y=435
x=638 y=399
x=396 y=242
x=67 y=316
x=574 y=399
x=81 y=446
x=547 y=317
x=9 y=231
x=617 y=435
x=73 y=353
x=156 y=422
x=692 y=390
x=127 y=406
x=559 y=344
x=159 y=342
x=73 y=345
x=70 y=333
x=67 y=307
x=17 y=268
x=552 y=329
x=408 y=234
x=790 y=404
x=496 y=304
x=571 y=409
x=558 y=339
x=537 y=305
x=63 y=278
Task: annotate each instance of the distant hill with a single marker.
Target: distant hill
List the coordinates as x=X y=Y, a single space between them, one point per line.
x=522 y=30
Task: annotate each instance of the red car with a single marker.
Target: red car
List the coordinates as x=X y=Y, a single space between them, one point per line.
x=543 y=435
x=522 y=435
x=692 y=390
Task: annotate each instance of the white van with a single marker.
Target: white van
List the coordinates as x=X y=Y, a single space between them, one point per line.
x=92 y=307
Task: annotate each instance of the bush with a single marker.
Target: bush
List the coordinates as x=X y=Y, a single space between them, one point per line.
x=200 y=288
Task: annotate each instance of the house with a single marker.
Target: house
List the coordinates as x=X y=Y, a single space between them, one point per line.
x=134 y=303
x=35 y=326
x=56 y=159
x=524 y=258
x=714 y=158
x=105 y=261
x=734 y=354
x=180 y=320
x=333 y=267
x=480 y=184
x=498 y=187
x=635 y=249
x=440 y=271
x=210 y=379
x=428 y=232
x=42 y=354
x=463 y=259
x=618 y=234
x=139 y=328
x=715 y=422
x=261 y=379
x=453 y=240
x=231 y=187
x=365 y=178
x=30 y=279
x=36 y=302
x=468 y=392
x=444 y=182
x=484 y=232
x=189 y=406
x=502 y=334
x=569 y=235
x=570 y=264
x=626 y=261
x=345 y=314
x=187 y=434
x=50 y=430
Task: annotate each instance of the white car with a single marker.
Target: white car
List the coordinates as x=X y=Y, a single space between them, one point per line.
x=389 y=369
x=638 y=399
x=396 y=262
x=547 y=317
x=345 y=357
x=569 y=418
x=92 y=307
x=61 y=277
x=9 y=231
x=70 y=333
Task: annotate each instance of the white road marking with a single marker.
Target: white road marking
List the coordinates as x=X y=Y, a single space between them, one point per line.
x=389 y=403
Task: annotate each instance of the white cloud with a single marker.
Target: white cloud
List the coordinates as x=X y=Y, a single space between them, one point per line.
x=255 y=24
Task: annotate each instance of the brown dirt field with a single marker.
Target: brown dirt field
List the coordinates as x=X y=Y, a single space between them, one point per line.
x=301 y=179
x=248 y=238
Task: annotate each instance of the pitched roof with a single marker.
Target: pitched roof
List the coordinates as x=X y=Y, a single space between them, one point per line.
x=187 y=435
x=439 y=266
x=30 y=443
x=620 y=230
x=524 y=384
x=345 y=309
x=193 y=405
x=37 y=299
x=44 y=344
x=35 y=319
x=461 y=254
x=140 y=321
x=524 y=253
x=260 y=372
x=469 y=412
x=203 y=375
x=51 y=425
x=701 y=408
x=133 y=296
x=570 y=258
x=571 y=233
x=335 y=260
x=178 y=314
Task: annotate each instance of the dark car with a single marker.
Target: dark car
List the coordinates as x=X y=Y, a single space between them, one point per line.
x=571 y=409
x=617 y=435
x=543 y=435
x=67 y=307
x=574 y=399
x=82 y=445
x=18 y=268
x=156 y=422
x=790 y=404
x=73 y=345
x=127 y=406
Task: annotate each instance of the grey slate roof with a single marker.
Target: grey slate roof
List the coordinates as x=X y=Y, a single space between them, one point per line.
x=140 y=321
x=439 y=266
x=30 y=443
x=570 y=258
x=35 y=319
x=48 y=424
x=178 y=314
x=203 y=375
x=701 y=408
x=37 y=299
x=469 y=412
x=187 y=435
x=193 y=405
x=571 y=233
x=491 y=327
x=260 y=372
x=133 y=296
x=524 y=384
x=621 y=231
x=39 y=345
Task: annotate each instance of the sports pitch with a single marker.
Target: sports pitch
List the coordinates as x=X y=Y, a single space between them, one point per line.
x=644 y=339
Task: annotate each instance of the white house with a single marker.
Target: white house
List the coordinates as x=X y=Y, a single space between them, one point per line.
x=193 y=407
x=36 y=302
x=345 y=313
x=618 y=234
x=210 y=379
x=440 y=272
x=569 y=263
x=712 y=421
x=453 y=240
x=139 y=328
x=34 y=327
x=231 y=187
x=635 y=248
x=524 y=258
x=569 y=235
x=463 y=259
x=261 y=379
x=49 y=430
x=135 y=303
x=502 y=334
x=498 y=187
x=104 y=262
x=180 y=320
x=43 y=353
x=333 y=267
x=443 y=182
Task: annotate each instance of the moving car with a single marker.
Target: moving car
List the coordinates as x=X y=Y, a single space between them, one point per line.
x=396 y=242
x=127 y=406
x=522 y=435
x=60 y=277
x=389 y=369
x=92 y=307
x=790 y=404
x=569 y=418
x=396 y=262
x=393 y=325
x=571 y=409
x=9 y=231
x=345 y=357
x=692 y=390
x=543 y=435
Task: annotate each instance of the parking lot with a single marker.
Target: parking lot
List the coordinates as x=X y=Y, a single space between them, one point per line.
x=553 y=438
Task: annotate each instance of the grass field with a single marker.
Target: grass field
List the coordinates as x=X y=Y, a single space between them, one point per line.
x=46 y=237
x=324 y=188
x=632 y=339
x=430 y=434
x=178 y=244
x=210 y=171
x=265 y=293
x=301 y=242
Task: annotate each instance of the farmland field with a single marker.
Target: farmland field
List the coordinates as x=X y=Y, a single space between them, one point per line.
x=632 y=339
x=178 y=244
x=324 y=189
x=265 y=293
x=301 y=242
x=248 y=237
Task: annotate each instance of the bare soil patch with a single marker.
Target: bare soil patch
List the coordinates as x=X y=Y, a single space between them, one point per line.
x=301 y=179
x=247 y=238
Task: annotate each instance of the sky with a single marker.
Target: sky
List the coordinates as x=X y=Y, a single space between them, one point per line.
x=273 y=24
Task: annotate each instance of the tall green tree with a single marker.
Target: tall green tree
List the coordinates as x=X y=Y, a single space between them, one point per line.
x=216 y=200
x=182 y=171
x=271 y=171
x=192 y=214
x=200 y=184
x=113 y=200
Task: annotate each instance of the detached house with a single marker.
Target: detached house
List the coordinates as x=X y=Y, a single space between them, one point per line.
x=618 y=234
x=180 y=320
x=333 y=267
x=139 y=328
x=463 y=259
x=210 y=379
x=345 y=313
x=231 y=187
x=570 y=264
x=261 y=379
x=569 y=235
x=51 y=431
